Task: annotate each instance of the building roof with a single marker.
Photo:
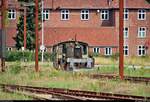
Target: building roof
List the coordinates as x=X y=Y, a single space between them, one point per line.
x=94 y=4
x=91 y=36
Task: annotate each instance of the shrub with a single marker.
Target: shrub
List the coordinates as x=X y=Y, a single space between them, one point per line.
x=115 y=56
x=52 y=56
x=95 y=54
x=27 y=56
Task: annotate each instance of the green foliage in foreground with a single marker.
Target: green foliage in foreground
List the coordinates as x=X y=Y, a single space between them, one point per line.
x=113 y=69
x=27 y=56
x=49 y=77
x=12 y=96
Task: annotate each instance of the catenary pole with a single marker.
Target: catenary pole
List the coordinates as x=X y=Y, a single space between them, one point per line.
x=36 y=39
x=3 y=21
x=121 y=39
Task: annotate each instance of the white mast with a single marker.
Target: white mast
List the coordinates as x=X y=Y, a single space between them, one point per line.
x=42 y=31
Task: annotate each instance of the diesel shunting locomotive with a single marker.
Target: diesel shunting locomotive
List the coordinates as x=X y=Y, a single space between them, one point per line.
x=72 y=55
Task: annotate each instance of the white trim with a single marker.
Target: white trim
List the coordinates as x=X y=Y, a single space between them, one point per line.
x=45 y=50
x=141 y=31
x=126 y=13
x=65 y=12
x=141 y=49
x=105 y=13
x=126 y=49
x=96 y=50
x=140 y=12
x=12 y=12
x=9 y=48
x=46 y=12
x=84 y=13
x=109 y=54
x=126 y=31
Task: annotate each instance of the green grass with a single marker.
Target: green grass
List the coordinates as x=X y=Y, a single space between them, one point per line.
x=16 y=73
x=13 y=96
x=141 y=72
x=142 y=61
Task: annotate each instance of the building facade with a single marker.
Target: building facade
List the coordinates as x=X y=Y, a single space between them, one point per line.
x=95 y=22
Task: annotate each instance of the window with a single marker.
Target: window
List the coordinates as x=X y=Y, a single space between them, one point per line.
x=126 y=32
x=45 y=14
x=142 y=32
x=126 y=14
x=45 y=50
x=11 y=14
x=126 y=50
x=105 y=15
x=96 y=50
x=141 y=50
x=84 y=14
x=64 y=14
x=108 y=51
x=141 y=14
x=9 y=49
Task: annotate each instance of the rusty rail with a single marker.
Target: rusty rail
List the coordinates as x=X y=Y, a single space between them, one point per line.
x=127 y=78
x=75 y=94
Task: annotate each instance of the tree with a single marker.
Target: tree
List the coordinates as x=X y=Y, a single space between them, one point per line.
x=148 y=1
x=30 y=26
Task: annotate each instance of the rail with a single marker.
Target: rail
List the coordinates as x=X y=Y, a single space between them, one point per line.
x=74 y=94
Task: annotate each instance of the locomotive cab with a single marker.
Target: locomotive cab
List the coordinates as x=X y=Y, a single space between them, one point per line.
x=72 y=55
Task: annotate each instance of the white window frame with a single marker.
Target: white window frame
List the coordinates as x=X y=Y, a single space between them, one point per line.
x=46 y=13
x=141 y=12
x=12 y=12
x=85 y=13
x=126 y=48
x=138 y=49
x=65 y=12
x=126 y=32
x=96 y=50
x=9 y=48
x=141 y=32
x=105 y=13
x=126 y=12
x=45 y=50
x=108 y=54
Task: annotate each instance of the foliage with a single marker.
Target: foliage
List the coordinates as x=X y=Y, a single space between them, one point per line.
x=26 y=56
x=115 y=56
x=15 y=69
x=95 y=54
x=30 y=27
x=52 y=56
x=148 y=1
x=49 y=77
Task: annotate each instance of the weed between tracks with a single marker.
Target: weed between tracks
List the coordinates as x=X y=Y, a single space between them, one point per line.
x=12 y=96
x=24 y=74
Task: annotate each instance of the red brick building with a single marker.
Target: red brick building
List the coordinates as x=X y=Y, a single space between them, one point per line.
x=95 y=22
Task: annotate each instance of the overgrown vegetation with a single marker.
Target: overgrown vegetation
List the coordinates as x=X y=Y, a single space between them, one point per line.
x=112 y=60
x=27 y=56
x=12 y=96
x=50 y=77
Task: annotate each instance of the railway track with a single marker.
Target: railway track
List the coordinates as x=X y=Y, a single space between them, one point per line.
x=128 y=78
x=74 y=94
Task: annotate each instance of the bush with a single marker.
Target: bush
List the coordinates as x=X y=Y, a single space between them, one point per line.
x=115 y=56
x=27 y=56
x=95 y=54
x=52 y=56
